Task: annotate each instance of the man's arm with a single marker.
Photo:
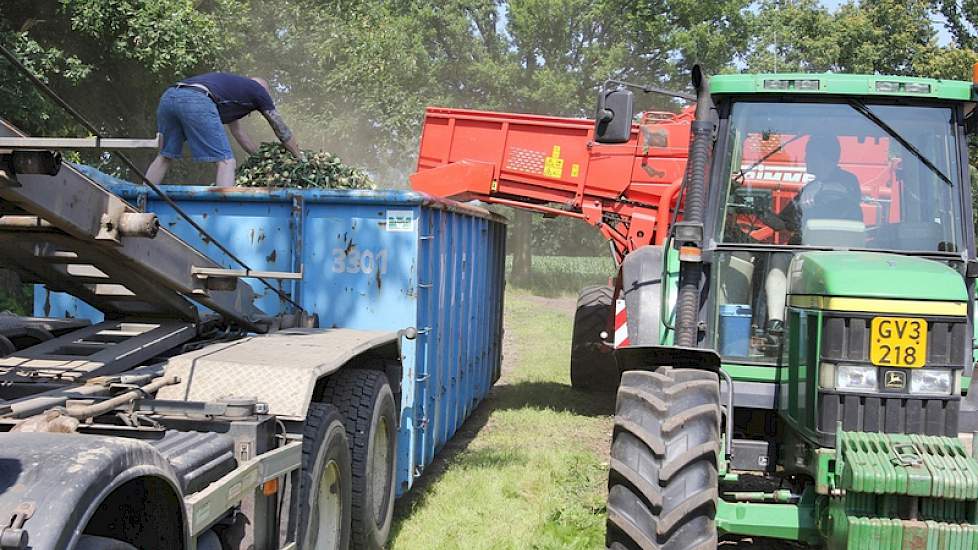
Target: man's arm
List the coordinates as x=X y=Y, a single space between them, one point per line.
x=242 y=137
x=282 y=131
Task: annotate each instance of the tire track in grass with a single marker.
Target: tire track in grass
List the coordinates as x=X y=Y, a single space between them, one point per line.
x=529 y=468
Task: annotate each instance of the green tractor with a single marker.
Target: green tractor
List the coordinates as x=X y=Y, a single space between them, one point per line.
x=814 y=307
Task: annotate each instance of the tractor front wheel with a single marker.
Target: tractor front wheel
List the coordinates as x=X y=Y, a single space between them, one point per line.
x=662 y=485
x=592 y=366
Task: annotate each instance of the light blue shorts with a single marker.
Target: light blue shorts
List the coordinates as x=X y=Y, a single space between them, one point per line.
x=186 y=115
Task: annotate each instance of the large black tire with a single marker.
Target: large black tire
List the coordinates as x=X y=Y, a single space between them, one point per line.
x=366 y=403
x=91 y=542
x=325 y=482
x=592 y=366
x=662 y=486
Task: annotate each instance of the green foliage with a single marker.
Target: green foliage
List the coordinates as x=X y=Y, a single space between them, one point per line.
x=272 y=165
x=675 y=34
x=793 y=36
x=17 y=300
x=960 y=18
x=164 y=36
x=566 y=237
x=564 y=275
x=110 y=59
x=865 y=36
x=19 y=100
x=354 y=77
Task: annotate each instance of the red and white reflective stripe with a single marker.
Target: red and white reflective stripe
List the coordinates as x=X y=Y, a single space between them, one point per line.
x=621 y=325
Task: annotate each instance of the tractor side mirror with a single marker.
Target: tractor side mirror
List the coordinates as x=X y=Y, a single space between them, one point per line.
x=613 y=119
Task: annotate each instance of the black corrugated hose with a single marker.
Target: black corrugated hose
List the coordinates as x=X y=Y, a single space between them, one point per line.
x=690 y=272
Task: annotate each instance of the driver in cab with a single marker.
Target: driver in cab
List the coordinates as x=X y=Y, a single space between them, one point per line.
x=834 y=194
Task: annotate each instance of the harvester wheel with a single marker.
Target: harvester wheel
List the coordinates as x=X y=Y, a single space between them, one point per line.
x=592 y=366
x=662 y=487
x=366 y=402
x=324 y=482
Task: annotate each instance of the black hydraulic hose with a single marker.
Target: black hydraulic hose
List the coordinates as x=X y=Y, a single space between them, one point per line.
x=687 y=304
x=691 y=266
x=132 y=166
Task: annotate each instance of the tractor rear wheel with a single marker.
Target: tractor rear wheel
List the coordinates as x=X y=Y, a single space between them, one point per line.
x=662 y=485
x=592 y=366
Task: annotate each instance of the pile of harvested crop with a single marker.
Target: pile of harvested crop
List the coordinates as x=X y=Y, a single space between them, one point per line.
x=272 y=165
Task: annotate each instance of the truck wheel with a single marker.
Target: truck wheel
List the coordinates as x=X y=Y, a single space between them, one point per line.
x=91 y=542
x=366 y=403
x=324 y=482
x=662 y=485
x=592 y=367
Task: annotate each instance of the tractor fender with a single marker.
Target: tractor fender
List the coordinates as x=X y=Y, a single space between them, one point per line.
x=641 y=280
x=280 y=369
x=65 y=478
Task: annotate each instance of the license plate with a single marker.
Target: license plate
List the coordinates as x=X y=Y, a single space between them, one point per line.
x=898 y=342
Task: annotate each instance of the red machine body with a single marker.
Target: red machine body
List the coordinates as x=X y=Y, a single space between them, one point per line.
x=628 y=191
x=552 y=165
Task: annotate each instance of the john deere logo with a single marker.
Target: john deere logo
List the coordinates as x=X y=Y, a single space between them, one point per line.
x=895 y=380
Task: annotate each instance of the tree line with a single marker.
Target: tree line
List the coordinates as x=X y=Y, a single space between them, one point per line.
x=354 y=76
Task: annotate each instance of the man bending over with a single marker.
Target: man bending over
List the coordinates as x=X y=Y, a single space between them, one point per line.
x=195 y=111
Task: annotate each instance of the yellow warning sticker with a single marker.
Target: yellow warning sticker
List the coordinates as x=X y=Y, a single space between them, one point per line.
x=575 y=170
x=494 y=186
x=553 y=166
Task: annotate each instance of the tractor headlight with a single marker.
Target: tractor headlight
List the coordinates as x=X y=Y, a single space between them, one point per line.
x=855 y=378
x=932 y=381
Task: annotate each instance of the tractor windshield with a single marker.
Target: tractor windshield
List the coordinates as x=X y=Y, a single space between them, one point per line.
x=843 y=175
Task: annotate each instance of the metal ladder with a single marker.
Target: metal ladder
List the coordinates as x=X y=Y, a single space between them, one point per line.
x=67 y=232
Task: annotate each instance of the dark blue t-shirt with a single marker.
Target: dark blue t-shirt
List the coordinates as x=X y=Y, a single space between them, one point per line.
x=236 y=96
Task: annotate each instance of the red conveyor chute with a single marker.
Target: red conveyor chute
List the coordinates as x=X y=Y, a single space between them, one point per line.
x=552 y=165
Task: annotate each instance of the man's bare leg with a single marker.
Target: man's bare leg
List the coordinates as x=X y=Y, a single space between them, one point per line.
x=225 y=172
x=157 y=169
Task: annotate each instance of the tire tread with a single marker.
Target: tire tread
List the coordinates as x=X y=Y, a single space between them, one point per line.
x=590 y=366
x=662 y=484
x=354 y=393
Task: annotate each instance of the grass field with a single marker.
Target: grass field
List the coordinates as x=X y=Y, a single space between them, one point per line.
x=529 y=469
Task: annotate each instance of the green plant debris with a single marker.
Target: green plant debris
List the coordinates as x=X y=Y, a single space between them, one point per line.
x=272 y=165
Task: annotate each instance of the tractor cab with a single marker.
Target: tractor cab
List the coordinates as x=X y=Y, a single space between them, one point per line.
x=796 y=174
x=821 y=273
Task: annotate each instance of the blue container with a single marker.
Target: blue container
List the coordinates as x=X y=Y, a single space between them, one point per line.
x=374 y=260
x=735 y=322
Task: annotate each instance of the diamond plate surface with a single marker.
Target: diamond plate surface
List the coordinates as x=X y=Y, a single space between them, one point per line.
x=525 y=160
x=280 y=369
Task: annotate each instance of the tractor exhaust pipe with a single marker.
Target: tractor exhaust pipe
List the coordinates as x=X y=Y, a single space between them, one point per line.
x=689 y=232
